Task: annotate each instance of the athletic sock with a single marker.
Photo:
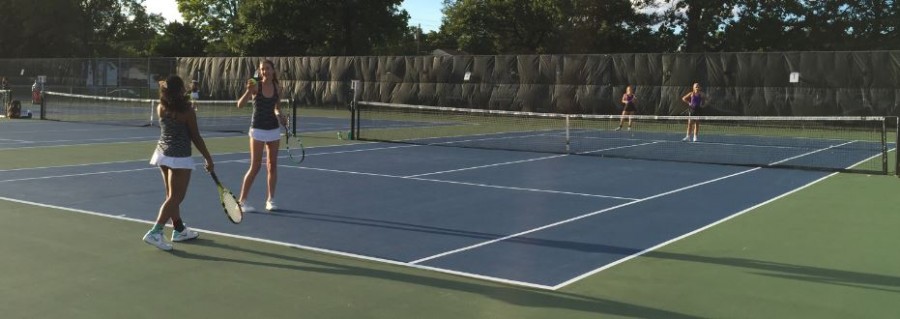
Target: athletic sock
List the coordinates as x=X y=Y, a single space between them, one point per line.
x=179 y=225
x=157 y=228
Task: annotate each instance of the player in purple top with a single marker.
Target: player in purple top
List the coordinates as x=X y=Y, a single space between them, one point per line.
x=628 y=101
x=694 y=100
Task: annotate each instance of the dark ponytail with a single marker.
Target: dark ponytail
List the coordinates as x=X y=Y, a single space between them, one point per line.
x=172 y=94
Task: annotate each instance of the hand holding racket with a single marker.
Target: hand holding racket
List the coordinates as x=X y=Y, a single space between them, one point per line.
x=229 y=202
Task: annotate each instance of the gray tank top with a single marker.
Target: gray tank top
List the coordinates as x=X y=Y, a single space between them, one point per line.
x=174 y=138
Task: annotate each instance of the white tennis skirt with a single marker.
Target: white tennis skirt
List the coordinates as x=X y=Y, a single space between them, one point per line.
x=158 y=159
x=265 y=135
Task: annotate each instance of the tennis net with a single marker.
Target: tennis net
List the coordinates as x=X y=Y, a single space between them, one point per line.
x=221 y=116
x=851 y=144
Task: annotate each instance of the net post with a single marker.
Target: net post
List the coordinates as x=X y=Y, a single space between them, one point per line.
x=152 y=105
x=354 y=116
x=43 y=106
x=293 y=103
x=884 y=151
x=897 y=147
x=568 y=145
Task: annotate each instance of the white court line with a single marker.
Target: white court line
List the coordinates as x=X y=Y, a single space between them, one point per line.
x=628 y=204
x=289 y=245
x=490 y=165
x=619 y=147
x=108 y=163
x=98 y=141
x=414 y=264
x=635 y=255
x=111 y=172
x=529 y=160
x=566 y=221
x=808 y=153
x=76 y=175
x=462 y=183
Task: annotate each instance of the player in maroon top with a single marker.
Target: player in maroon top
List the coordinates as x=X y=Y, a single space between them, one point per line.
x=629 y=109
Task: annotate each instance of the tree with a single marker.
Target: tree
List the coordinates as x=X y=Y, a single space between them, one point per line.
x=295 y=27
x=179 y=40
x=610 y=26
x=765 y=26
x=215 y=19
x=850 y=25
x=137 y=29
x=42 y=30
x=700 y=21
x=77 y=28
x=506 y=26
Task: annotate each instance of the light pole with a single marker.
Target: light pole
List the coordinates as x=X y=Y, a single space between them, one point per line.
x=417 y=36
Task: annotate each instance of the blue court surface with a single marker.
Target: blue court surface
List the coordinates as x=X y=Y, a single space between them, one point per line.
x=532 y=219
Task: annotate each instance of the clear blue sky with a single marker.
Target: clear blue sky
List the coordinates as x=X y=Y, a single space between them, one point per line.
x=426 y=13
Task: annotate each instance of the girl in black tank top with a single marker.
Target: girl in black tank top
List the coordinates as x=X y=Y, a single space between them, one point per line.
x=266 y=121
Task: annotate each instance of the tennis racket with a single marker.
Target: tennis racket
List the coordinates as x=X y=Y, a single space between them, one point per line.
x=294 y=147
x=229 y=202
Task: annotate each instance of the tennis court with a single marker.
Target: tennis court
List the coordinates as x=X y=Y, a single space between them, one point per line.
x=472 y=214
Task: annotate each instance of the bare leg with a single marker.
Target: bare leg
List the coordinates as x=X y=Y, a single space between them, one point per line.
x=177 y=181
x=256 y=148
x=272 y=168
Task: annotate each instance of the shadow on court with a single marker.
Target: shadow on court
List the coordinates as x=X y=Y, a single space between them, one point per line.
x=513 y=295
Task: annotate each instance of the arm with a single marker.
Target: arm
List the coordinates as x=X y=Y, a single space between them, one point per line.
x=624 y=98
x=249 y=93
x=687 y=98
x=282 y=118
x=198 y=140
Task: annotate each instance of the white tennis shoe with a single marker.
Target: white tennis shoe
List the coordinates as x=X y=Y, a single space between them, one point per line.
x=270 y=205
x=187 y=234
x=156 y=239
x=247 y=208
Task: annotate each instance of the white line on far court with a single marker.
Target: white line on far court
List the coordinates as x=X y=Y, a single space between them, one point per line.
x=566 y=221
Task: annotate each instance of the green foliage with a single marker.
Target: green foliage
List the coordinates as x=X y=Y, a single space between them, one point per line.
x=179 y=40
x=537 y=26
x=506 y=26
x=38 y=29
x=123 y=28
x=783 y=25
x=311 y=27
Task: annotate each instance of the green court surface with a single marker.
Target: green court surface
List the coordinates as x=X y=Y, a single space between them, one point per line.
x=826 y=251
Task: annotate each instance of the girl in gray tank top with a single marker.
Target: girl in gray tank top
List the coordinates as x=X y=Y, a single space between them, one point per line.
x=178 y=129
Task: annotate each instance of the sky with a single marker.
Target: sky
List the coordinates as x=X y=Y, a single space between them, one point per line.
x=426 y=13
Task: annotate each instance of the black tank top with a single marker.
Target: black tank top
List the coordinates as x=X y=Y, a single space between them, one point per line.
x=264 y=110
